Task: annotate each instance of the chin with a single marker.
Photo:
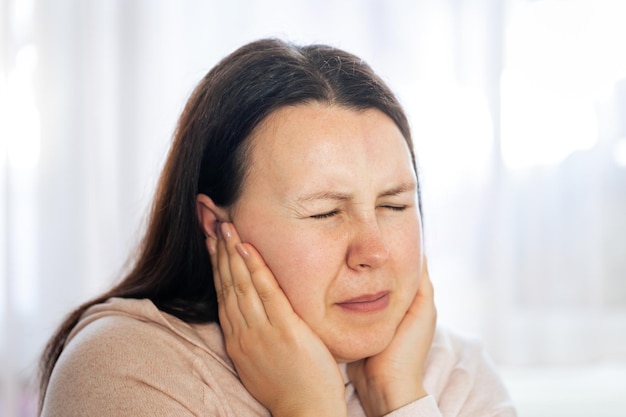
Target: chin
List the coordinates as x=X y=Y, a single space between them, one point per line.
x=360 y=347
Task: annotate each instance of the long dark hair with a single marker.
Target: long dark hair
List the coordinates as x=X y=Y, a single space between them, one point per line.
x=208 y=156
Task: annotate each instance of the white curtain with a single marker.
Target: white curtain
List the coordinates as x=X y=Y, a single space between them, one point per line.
x=517 y=109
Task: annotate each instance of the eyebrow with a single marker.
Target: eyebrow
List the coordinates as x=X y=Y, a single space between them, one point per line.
x=337 y=196
x=324 y=195
x=400 y=189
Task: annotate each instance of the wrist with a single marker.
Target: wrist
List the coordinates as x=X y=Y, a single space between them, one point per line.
x=324 y=407
x=396 y=400
x=383 y=400
x=312 y=412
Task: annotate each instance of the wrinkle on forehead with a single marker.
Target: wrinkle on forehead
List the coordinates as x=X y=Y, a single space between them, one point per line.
x=266 y=156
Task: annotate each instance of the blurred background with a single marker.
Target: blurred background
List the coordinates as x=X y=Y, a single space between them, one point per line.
x=518 y=111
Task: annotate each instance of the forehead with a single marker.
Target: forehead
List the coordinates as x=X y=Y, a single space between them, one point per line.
x=315 y=141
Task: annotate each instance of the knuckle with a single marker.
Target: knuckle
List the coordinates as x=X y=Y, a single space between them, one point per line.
x=227 y=289
x=241 y=288
x=266 y=295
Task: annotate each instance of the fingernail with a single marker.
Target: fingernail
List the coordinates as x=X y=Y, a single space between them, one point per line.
x=226 y=231
x=242 y=250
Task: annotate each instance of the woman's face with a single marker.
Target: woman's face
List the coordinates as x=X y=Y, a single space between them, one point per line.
x=330 y=202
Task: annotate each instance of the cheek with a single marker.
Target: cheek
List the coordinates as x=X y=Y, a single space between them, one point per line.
x=410 y=253
x=409 y=256
x=299 y=261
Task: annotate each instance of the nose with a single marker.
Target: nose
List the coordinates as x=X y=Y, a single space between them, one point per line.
x=368 y=248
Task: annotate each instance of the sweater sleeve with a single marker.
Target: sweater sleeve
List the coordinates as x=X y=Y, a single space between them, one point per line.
x=424 y=407
x=471 y=385
x=120 y=366
x=463 y=382
x=487 y=395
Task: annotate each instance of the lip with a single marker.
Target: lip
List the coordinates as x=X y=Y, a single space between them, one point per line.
x=366 y=303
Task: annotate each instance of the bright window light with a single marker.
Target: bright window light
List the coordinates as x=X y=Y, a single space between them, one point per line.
x=453 y=136
x=540 y=126
x=619 y=152
x=22 y=124
x=562 y=58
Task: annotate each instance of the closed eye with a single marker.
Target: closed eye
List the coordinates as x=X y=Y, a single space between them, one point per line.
x=325 y=215
x=394 y=208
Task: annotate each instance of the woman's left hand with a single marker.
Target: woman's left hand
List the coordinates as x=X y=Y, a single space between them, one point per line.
x=394 y=377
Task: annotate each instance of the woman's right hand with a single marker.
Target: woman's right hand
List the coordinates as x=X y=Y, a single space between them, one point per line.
x=279 y=359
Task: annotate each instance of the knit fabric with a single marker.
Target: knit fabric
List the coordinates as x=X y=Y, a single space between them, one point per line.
x=127 y=358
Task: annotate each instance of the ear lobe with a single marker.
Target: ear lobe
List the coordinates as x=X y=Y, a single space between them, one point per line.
x=209 y=215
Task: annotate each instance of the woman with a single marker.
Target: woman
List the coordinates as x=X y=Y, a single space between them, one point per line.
x=282 y=271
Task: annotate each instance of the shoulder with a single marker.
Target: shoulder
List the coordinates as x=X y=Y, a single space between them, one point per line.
x=453 y=357
x=117 y=362
x=453 y=347
x=125 y=357
x=132 y=333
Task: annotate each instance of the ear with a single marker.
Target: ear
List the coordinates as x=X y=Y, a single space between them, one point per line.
x=209 y=215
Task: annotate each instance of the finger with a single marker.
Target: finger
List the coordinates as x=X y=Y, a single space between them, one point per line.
x=426 y=285
x=225 y=324
x=275 y=302
x=424 y=303
x=211 y=244
x=248 y=301
x=422 y=309
x=228 y=298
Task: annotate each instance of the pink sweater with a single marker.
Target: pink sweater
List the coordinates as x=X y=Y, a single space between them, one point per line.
x=127 y=358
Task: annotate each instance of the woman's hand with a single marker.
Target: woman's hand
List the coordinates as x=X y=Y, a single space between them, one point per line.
x=394 y=377
x=279 y=359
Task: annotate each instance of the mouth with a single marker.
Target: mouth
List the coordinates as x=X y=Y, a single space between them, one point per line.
x=366 y=303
